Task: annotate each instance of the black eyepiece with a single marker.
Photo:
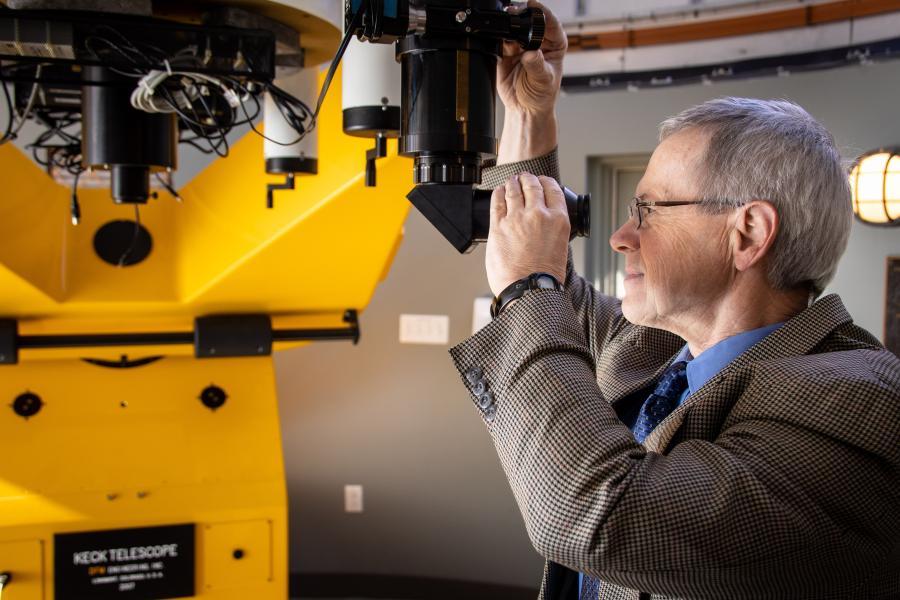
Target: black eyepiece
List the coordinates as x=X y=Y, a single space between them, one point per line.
x=528 y=27
x=578 y=206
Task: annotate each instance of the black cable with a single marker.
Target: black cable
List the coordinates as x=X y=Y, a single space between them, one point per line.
x=134 y=238
x=169 y=187
x=337 y=59
x=196 y=126
x=209 y=119
x=74 y=207
x=280 y=99
x=277 y=93
x=192 y=142
x=7 y=135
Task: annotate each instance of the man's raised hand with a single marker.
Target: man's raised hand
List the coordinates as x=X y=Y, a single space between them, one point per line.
x=528 y=82
x=529 y=231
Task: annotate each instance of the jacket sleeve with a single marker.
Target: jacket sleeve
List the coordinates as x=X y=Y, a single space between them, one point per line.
x=735 y=511
x=600 y=316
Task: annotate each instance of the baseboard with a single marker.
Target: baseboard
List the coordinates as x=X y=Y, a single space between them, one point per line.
x=341 y=585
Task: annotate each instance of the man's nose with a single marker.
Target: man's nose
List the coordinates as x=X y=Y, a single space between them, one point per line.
x=625 y=238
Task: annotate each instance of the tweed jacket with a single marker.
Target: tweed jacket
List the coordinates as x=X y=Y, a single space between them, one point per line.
x=779 y=478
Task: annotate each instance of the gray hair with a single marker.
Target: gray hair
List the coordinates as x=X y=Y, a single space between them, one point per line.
x=774 y=150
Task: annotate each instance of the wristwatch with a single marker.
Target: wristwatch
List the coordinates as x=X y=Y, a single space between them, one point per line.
x=515 y=290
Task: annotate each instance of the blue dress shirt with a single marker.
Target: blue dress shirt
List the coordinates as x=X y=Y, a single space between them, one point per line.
x=702 y=368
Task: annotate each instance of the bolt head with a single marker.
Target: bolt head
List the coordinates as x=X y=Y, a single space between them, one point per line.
x=461 y=16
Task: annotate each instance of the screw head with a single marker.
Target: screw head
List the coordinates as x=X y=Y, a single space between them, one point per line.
x=461 y=16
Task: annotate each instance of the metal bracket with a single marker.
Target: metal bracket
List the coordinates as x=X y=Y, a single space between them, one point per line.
x=351 y=317
x=379 y=151
x=270 y=189
x=232 y=335
x=9 y=342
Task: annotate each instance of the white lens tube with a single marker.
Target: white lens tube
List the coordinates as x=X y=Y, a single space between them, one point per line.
x=371 y=90
x=302 y=156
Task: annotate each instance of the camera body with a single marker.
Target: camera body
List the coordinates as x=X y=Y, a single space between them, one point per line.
x=448 y=51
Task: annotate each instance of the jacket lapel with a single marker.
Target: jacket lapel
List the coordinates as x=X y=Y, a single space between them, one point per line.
x=798 y=336
x=635 y=362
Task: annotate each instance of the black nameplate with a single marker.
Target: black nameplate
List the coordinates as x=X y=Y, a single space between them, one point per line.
x=147 y=563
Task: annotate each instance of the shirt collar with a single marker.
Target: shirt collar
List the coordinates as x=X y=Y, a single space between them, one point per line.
x=702 y=368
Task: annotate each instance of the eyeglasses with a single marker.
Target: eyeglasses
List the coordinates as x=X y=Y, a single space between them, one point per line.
x=639 y=209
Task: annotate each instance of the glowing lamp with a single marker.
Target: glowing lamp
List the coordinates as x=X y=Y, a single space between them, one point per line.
x=875 y=187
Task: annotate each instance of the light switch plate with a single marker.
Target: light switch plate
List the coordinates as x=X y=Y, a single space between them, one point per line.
x=353 y=498
x=425 y=329
x=481 y=312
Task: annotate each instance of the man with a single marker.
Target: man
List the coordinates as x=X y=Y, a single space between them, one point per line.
x=718 y=434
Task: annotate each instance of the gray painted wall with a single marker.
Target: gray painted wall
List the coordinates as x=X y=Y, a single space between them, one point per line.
x=396 y=419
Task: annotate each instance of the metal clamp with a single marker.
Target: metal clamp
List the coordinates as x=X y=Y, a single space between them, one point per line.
x=5 y=578
x=272 y=187
x=379 y=151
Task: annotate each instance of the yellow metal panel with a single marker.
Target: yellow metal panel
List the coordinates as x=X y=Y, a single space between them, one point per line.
x=24 y=561
x=32 y=234
x=324 y=244
x=117 y=448
x=153 y=427
x=326 y=263
x=95 y=285
x=236 y=556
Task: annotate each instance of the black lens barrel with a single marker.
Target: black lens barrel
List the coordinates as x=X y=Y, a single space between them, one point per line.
x=578 y=206
x=448 y=106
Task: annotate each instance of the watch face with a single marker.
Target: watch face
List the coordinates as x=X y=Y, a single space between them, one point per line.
x=544 y=282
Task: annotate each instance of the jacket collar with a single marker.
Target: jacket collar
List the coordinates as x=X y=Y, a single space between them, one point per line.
x=797 y=337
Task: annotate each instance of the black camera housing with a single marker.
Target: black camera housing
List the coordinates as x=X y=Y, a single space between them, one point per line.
x=448 y=50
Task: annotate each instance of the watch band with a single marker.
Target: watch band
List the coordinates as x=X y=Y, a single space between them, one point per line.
x=517 y=289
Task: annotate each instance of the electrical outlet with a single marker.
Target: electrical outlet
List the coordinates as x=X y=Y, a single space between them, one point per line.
x=353 y=498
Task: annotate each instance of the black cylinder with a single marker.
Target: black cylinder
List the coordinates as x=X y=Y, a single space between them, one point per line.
x=370 y=121
x=129 y=184
x=448 y=106
x=129 y=142
x=578 y=206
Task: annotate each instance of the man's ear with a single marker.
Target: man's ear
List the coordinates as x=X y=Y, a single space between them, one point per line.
x=755 y=228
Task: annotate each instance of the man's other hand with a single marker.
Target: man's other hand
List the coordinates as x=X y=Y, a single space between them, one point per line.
x=529 y=231
x=528 y=82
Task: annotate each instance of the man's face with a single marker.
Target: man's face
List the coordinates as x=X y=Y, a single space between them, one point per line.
x=679 y=261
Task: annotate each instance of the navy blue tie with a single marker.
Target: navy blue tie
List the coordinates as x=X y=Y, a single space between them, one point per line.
x=662 y=401
x=656 y=407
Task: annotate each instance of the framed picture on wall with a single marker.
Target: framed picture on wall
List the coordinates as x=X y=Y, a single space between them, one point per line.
x=892 y=307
